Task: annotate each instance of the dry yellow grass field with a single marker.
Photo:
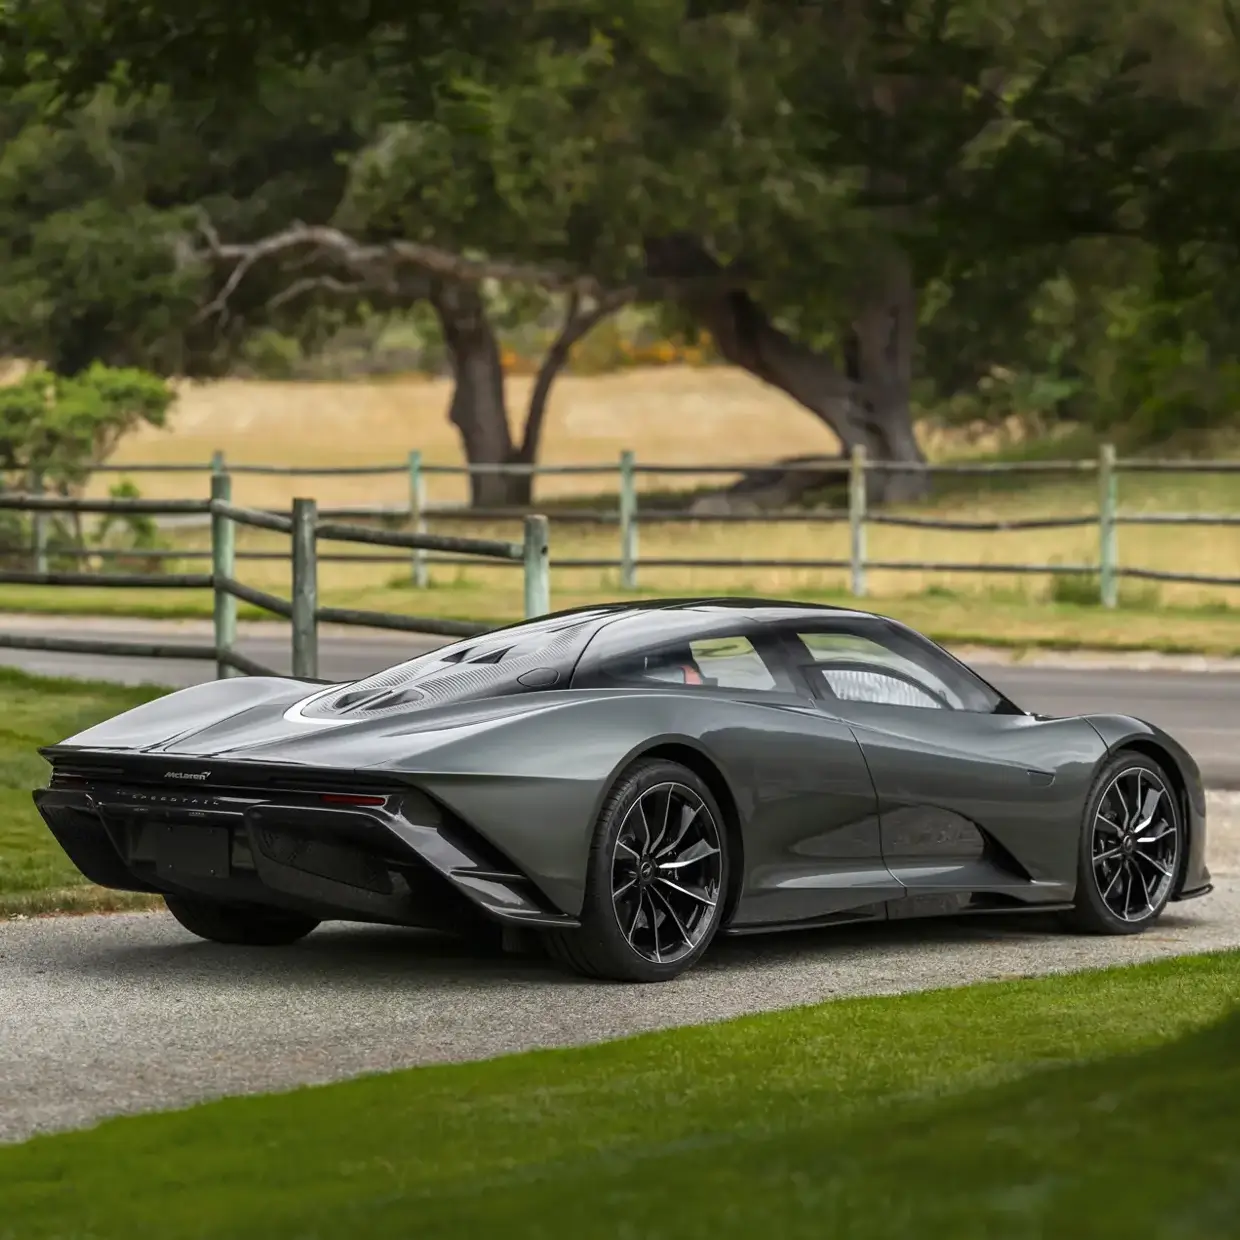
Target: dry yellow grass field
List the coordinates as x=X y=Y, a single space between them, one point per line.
x=673 y=415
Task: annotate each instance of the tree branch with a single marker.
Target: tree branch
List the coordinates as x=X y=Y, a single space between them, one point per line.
x=576 y=325
x=376 y=263
x=309 y=283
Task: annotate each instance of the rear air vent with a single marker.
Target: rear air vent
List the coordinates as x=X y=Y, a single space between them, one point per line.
x=477 y=669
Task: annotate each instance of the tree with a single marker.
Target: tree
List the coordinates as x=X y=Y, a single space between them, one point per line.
x=795 y=177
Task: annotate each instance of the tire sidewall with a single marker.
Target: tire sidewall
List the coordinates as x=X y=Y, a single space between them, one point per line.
x=599 y=917
x=1087 y=885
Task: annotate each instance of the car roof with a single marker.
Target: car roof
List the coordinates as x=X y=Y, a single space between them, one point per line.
x=753 y=609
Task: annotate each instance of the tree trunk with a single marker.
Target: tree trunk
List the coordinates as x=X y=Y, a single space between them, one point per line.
x=879 y=363
x=478 y=410
x=577 y=324
x=867 y=405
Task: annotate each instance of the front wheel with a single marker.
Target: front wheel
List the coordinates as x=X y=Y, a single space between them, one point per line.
x=246 y=924
x=655 y=881
x=1132 y=848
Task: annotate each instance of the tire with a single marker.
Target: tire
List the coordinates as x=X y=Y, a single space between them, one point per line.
x=1126 y=877
x=249 y=925
x=650 y=909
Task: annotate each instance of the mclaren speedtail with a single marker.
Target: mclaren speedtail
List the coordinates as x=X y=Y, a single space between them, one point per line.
x=619 y=784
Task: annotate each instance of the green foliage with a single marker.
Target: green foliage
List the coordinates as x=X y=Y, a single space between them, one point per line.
x=60 y=426
x=269 y=354
x=54 y=430
x=1040 y=168
x=128 y=531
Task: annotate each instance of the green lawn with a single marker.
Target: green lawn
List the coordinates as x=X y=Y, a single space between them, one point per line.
x=1095 y=1105
x=34 y=873
x=996 y=618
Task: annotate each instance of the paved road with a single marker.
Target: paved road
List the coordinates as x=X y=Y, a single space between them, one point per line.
x=108 y=1015
x=1199 y=707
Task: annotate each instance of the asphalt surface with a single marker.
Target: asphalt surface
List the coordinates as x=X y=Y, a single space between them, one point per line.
x=1197 y=701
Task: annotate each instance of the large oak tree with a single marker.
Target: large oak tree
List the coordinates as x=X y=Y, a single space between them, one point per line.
x=792 y=176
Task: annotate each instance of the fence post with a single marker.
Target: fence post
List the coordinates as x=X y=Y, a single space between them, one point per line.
x=38 y=524
x=305 y=590
x=223 y=564
x=537 y=567
x=856 y=520
x=417 y=521
x=1108 y=541
x=218 y=464
x=628 y=521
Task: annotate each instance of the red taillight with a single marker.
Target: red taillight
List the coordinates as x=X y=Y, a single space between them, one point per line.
x=346 y=798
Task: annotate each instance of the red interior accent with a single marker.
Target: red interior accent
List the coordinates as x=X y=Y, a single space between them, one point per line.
x=346 y=798
x=692 y=675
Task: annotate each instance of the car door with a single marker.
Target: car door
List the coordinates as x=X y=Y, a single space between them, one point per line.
x=807 y=805
x=974 y=795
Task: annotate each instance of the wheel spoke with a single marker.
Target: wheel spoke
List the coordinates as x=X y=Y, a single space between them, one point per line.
x=1167 y=829
x=667 y=814
x=617 y=892
x=631 y=851
x=1165 y=871
x=688 y=814
x=653 y=919
x=1145 y=887
x=685 y=936
x=1148 y=809
x=700 y=896
x=641 y=809
x=1119 y=873
x=1109 y=855
x=637 y=912
x=1119 y=794
x=1106 y=822
x=692 y=855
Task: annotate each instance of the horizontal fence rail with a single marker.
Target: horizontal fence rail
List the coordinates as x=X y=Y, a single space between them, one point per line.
x=404 y=529
x=305 y=529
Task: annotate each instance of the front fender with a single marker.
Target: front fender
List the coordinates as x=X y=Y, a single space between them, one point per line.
x=1120 y=730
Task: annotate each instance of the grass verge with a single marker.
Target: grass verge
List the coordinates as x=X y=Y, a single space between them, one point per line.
x=1098 y=1104
x=997 y=619
x=35 y=874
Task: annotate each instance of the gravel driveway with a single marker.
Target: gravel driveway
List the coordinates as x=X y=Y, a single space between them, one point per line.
x=104 y=1015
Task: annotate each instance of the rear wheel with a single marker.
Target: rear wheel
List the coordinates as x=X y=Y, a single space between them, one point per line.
x=246 y=924
x=1132 y=848
x=655 y=880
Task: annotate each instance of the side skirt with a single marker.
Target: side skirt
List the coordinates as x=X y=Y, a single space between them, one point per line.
x=912 y=908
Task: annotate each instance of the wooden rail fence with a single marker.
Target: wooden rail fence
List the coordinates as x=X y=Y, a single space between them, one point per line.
x=629 y=517
x=306 y=530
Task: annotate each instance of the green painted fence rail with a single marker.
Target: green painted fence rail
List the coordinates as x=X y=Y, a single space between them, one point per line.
x=305 y=530
x=425 y=550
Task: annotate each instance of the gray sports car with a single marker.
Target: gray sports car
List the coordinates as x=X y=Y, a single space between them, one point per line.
x=621 y=783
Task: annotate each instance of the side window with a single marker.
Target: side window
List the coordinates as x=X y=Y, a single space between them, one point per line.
x=731 y=663
x=721 y=662
x=885 y=666
x=880 y=688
